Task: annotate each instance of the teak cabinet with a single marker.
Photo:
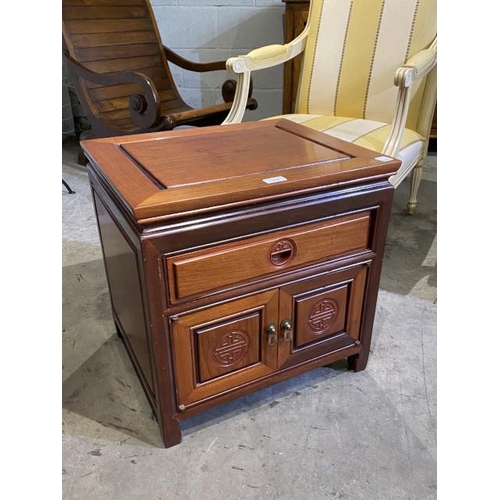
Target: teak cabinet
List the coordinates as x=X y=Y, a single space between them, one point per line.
x=238 y=256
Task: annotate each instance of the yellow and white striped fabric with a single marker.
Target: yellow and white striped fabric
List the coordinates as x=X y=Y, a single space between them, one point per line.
x=369 y=134
x=346 y=88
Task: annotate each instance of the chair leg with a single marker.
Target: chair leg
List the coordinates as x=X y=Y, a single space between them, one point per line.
x=416 y=177
x=66 y=185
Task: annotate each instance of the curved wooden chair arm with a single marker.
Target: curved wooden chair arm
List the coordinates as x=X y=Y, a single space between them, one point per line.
x=228 y=87
x=191 y=65
x=186 y=116
x=144 y=108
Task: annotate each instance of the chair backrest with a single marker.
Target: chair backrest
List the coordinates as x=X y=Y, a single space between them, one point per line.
x=113 y=36
x=353 y=51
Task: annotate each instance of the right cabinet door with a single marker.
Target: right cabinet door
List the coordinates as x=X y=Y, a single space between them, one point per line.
x=321 y=315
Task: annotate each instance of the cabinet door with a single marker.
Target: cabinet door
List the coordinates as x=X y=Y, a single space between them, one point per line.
x=224 y=346
x=321 y=315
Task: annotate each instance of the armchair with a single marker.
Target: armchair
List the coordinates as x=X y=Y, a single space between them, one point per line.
x=368 y=76
x=120 y=69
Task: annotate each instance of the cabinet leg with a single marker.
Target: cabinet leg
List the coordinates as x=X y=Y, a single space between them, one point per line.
x=357 y=362
x=171 y=432
x=118 y=331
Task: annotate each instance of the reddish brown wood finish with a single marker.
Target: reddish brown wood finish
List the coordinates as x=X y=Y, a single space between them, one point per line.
x=324 y=314
x=308 y=161
x=122 y=265
x=199 y=374
x=238 y=296
x=198 y=272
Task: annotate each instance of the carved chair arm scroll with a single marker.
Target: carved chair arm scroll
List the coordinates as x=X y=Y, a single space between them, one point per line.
x=144 y=108
x=417 y=66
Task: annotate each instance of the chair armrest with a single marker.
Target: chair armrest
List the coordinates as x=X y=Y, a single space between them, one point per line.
x=228 y=87
x=417 y=66
x=190 y=65
x=413 y=70
x=268 y=56
x=261 y=58
x=144 y=108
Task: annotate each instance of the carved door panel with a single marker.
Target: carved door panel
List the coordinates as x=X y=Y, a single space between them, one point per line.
x=225 y=346
x=321 y=315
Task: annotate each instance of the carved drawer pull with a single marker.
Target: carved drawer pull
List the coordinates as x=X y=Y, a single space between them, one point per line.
x=282 y=252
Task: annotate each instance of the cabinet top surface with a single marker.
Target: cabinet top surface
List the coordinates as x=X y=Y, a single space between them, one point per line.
x=164 y=175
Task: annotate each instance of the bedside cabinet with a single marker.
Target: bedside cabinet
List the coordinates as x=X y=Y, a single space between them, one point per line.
x=238 y=256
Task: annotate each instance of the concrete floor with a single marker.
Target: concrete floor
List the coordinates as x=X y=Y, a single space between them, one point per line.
x=327 y=434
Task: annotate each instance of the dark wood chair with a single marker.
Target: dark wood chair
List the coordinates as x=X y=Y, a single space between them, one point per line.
x=120 y=70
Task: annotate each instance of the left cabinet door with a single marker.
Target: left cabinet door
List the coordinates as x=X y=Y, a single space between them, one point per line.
x=222 y=347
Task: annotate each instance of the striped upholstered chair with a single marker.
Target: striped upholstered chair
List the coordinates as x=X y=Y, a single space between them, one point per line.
x=368 y=76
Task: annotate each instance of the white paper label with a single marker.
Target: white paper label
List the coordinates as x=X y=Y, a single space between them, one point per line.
x=272 y=180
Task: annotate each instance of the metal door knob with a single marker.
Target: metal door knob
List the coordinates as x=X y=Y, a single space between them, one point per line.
x=286 y=328
x=272 y=334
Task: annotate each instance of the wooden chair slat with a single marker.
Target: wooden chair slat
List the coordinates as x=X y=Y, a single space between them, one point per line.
x=157 y=74
x=164 y=86
x=103 y=2
x=105 y=12
x=116 y=52
x=105 y=39
x=87 y=27
x=125 y=64
x=117 y=103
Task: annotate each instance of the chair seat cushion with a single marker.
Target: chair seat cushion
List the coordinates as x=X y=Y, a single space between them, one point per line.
x=365 y=133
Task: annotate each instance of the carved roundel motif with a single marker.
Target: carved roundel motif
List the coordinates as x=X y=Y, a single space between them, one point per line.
x=322 y=315
x=281 y=252
x=231 y=348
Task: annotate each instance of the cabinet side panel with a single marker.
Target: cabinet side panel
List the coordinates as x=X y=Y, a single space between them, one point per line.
x=121 y=263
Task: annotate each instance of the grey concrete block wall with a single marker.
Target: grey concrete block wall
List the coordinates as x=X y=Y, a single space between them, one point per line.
x=213 y=30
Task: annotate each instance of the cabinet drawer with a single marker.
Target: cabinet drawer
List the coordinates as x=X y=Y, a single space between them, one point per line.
x=211 y=269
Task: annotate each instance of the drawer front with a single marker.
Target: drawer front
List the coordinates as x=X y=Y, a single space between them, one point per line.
x=215 y=268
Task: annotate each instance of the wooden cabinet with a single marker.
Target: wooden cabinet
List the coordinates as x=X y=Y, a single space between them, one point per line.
x=233 y=266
